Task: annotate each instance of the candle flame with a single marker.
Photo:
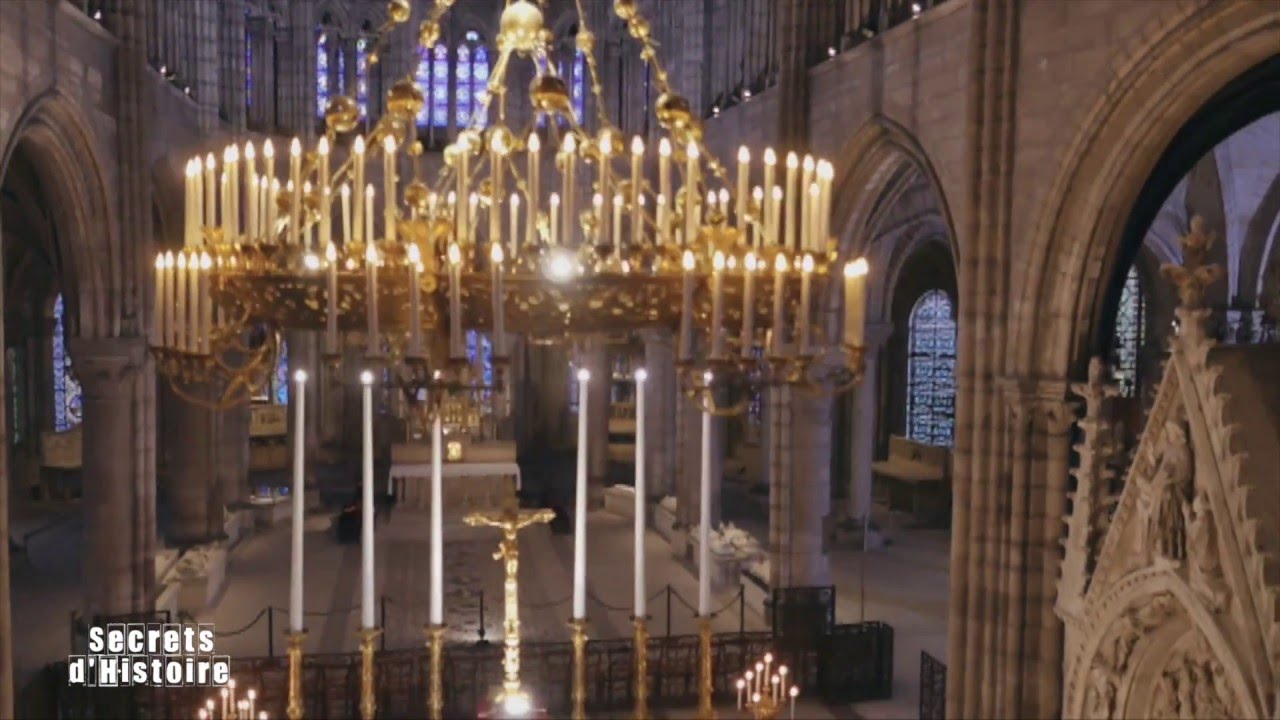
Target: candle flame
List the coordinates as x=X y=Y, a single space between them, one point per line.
x=750 y=262
x=688 y=260
x=808 y=163
x=606 y=143
x=231 y=154
x=389 y=144
x=856 y=268
x=322 y=147
x=807 y=265
x=455 y=254
x=617 y=200
x=770 y=157
x=780 y=264
x=793 y=161
x=777 y=192
x=168 y=259
x=641 y=375
x=534 y=143
x=371 y=254
x=346 y=191
x=570 y=144
x=299 y=377
x=295 y=148
x=206 y=262
x=637 y=146
x=717 y=262
x=366 y=377
x=813 y=189
x=744 y=155
x=331 y=253
x=249 y=154
x=584 y=375
x=692 y=150
x=495 y=252
x=757 y=194
x=268 y=150
x=664 y=147
x=358 y=146
x=182 y=261
x=515 y=200
x=209 y=162
x=555 y=199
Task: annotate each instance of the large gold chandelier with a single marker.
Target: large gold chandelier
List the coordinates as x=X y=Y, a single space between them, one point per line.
x=548 y=230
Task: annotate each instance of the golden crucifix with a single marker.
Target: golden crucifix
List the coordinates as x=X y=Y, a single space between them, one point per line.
x=510 y=519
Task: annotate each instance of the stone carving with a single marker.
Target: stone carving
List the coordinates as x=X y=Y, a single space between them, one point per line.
x=1193 y=685
x=1193 y=276
x=1163 y=500
x=1205 y=567
x=1100 y=698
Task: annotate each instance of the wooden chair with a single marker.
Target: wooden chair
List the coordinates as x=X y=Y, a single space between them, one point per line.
x=918 y=479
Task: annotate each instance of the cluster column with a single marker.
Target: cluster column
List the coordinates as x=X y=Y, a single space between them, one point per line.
x=660 y=412
x=192 y=489
x=596 y=359
x=119 y=509
x=799 y=488
x=863 y=426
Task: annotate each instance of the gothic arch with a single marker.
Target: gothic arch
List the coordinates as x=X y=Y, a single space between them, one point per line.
x=54 y=137
x=1078 y=236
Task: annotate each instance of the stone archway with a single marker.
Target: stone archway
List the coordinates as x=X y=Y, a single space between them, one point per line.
x=1078 y=236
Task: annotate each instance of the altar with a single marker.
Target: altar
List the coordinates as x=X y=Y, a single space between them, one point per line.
x=476 y=475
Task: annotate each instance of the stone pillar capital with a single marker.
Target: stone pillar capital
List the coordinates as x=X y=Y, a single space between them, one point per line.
x=876 y=334
x=1040 y=401
x=103 y=364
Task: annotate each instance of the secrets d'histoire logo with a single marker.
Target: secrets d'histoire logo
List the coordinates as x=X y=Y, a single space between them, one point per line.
x=162 y=655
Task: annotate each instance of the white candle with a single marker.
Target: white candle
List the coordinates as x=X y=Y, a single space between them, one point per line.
x=661 y=236
x=686 y=309
x=295 y=179
x=436 y=616
x=806 y=179
x=497 y=149
x=794 y=692
x=804 y=322
x=691 y=195
x=814 y=236
x=193 y=303
x=554 y=213
x=366 y=509
x=704 y=523
x=779 y=283
x=299 y=493
x=188 y=211
x=637 y=183
x=770 y=168
x=273 y=209
x=251 y=191
x=206 y=301
x=499 y=322
x=664 y=188
x=170 y=337
x=717 y=306
x=457 y=349
x=606 y=153
x=615 y=234
x=793 y=201
x=157 y=307
x=371 y=299
x=180 y=309
x=855 y=301
x=357 y=170
x=346 y=214
x=570 y=150
x=269 y=161
x=389 y=188
x=748 y=304
x=744 y=172
x=210 y=191
x=514 y=240
x=775 y=210
x=580 y=504
x=224 y=192
x=534 y=145
x=369 y=237
x=326 y=197
x=462 y=208
x=415 y=301
x=640 y=610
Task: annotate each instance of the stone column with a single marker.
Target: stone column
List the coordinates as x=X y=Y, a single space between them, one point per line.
x=6 y=617
x=231 y=429
x=191 y=482
x=866 y=411
x=660 y=412
x=119 y=569
x=1059 y=418
x=232 y=66
x=205 y=85
x=800 y=497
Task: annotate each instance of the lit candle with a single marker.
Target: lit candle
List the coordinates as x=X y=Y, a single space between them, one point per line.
x=775 y=210
x=299 y=492
x=463 y=209
x=366 y=519
x=206 y=301
x=357 y=170
x=331 y=299
x=534 y=183
x=580 y=504
x=369 y=238
x=770 y=168
x=180 y=312
x=570 y=149
x=813 y=236
x=322 y=153
x=759 y=679
x=225 y=195
x=704 y=521
x=662 y=221
x=497 y=149
x=606 y=153
x=804 y=322
x=190 y=203
x=751 y=686
x=224 y=702
x=193 y=303
x=826 y=175
x=389 y=188
x=717 y=306
x=415 y=301
x=251 y=695
x=748 y=304
x=170 y=337
x=615 y=236
x=436 y=616
x=794 y=692
x=793 y=200
x=295 y=179
x=473 y=209
x=758 y=214
x=744 y=172
x=499 y=322
x=664 y=182
x=742 y=684
x=806 y=178
x=457 y=349
x=373 y=348
x=210 y=191
x=268 y=160
x=515 y=226
x=768 y=660
x=686 y=309
x=855 y=301
x=637 y=184
x=779 y=283
x=691 y=195
x=346 y=213
x=602 y=231
x=273 y=209
x=157 y=311
x=251 y=190
x=773 y=690
x=307 y=240
x=640 y=610
x=554 y=213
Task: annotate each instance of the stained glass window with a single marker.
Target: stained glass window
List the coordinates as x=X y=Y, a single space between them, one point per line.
x=471 y=74
x=248 y=65
x=576 y=81
x=432 y=77
x=1129 y=334
x=931 y=370
x=280 y=378
x=67 y=396
x=322 y=72
x=362 y=76
x=17 y=396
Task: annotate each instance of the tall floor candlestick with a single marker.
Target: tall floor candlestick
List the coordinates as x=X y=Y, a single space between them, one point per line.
x=299 y=492
x=640 y=610
x=704 y=522
x=580 y=503
x=436 y=610
x=366 y=509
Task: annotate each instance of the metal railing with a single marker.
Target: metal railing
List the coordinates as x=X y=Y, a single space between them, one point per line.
x=933 y=688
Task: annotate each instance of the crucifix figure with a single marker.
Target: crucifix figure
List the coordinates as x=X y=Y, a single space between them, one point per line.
x=510 y=519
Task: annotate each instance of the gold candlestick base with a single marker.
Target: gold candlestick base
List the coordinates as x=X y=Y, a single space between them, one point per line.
x=435 y=701
x=579 y=626
x=705 y=710
x=642 y=669
x=294 y=709
x=368 y=699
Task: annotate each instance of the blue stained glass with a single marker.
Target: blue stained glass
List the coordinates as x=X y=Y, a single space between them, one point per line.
x=67 y=396
x=280 y=378
x=422 y=76
x=1129 y=334
x=931 y=370
x=362 y=75
x=248 y=69
x=322 y=73
x=577 y=93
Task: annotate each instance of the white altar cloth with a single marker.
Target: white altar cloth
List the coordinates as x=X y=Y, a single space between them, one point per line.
x=454 y=469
